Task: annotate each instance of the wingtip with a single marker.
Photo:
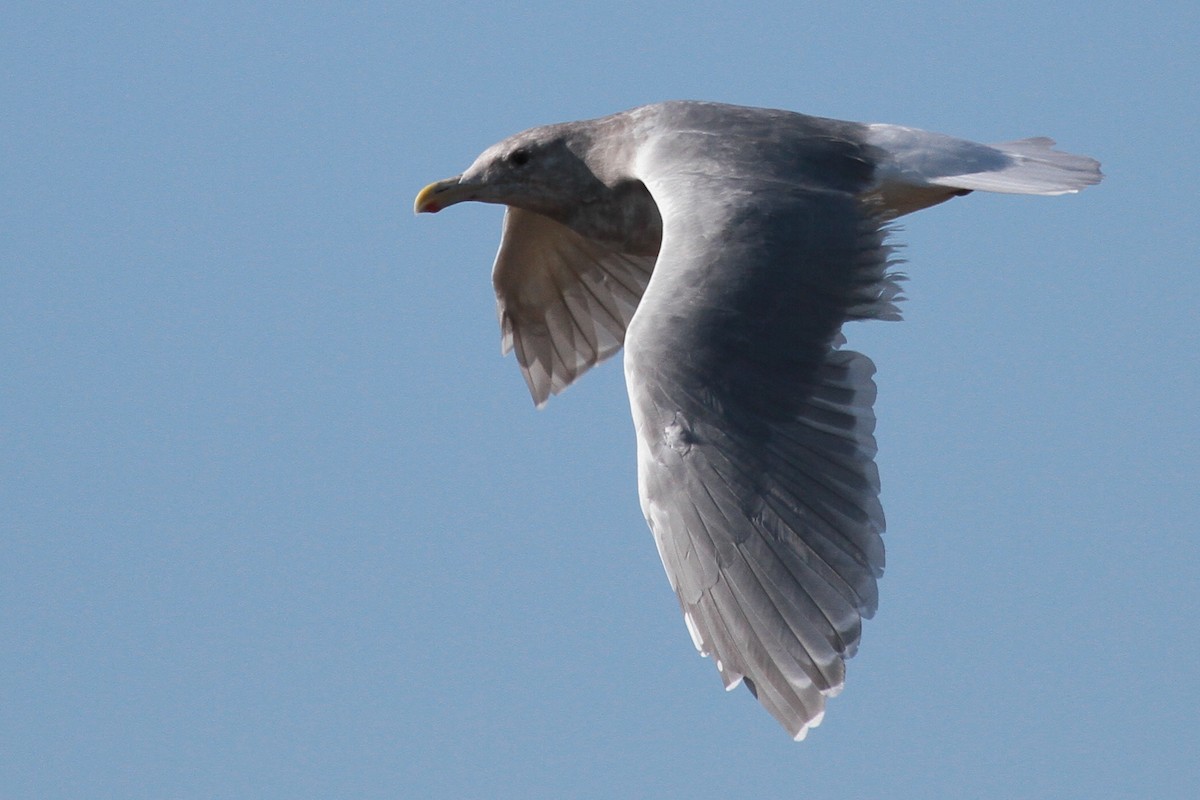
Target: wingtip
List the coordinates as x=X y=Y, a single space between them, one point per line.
x=808 y=726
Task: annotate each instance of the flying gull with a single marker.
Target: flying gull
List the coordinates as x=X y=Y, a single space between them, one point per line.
x=725 y=246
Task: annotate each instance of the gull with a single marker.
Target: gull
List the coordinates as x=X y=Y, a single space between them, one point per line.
x=724 y=247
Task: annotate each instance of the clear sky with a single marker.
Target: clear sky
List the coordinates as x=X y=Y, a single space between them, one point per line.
x=278 y=521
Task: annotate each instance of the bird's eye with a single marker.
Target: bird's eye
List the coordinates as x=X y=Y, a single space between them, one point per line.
x=519 y=157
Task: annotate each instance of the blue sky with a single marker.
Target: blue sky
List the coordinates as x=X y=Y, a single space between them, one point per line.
x=278 y=521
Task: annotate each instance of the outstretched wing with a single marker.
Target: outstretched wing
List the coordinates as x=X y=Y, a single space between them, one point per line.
x=563 y=300
x=755 y=435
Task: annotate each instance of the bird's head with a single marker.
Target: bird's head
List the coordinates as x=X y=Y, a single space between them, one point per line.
x=542 y=170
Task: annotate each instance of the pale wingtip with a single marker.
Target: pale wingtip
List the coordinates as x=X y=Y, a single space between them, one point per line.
x=812 y=723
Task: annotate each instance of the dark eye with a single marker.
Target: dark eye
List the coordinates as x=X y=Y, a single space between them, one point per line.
x=519 y=157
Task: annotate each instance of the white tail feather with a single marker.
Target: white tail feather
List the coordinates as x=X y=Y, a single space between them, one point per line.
x=918 y=159
x=1033 y=167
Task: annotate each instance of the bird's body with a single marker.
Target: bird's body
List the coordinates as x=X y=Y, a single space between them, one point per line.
x=725 y=247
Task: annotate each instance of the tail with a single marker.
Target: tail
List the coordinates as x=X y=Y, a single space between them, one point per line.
x=1030 y=166
x=916 y=168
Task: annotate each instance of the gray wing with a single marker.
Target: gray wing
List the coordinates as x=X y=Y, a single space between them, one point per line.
x=755 y=435
x=563 y=300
